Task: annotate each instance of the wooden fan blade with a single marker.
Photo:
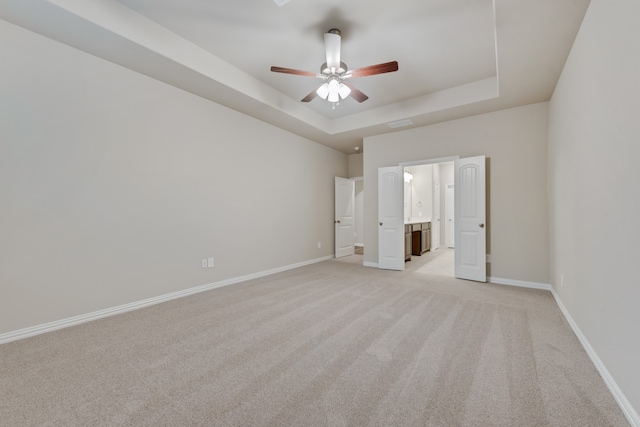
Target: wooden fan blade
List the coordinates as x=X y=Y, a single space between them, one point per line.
x=356 y=93
x=296 y=72
x=311 y=95
x=372 y=70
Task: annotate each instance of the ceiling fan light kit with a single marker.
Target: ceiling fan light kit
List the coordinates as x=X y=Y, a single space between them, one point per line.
x=333 y=90
x=334 y=73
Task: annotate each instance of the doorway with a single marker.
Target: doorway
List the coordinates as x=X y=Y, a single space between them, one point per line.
x=349 y=216
x=396 y=222
x=424 y=202
x=344 y=217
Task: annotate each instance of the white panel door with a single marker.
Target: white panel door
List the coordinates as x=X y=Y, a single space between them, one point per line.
x=344 y=217
x=435 y=220
x=391 y=218
x=470 y=230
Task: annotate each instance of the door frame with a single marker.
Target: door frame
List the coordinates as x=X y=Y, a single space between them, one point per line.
x=429 y=161
x=359 y=212
x=426 y=162
x=449 y=230
x=435 y=220
x=434 y=161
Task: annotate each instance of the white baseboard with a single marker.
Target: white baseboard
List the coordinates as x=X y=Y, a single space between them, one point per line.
x=618 y=395
x=370 y=264
x=519 y=283
x=624 y=404
x=83 y=318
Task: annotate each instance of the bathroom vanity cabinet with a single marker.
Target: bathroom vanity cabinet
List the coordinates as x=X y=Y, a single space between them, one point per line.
x=408 y=242
x=421 y=237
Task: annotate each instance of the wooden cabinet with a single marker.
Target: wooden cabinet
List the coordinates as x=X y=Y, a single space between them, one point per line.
x=425 y=244
x=408 y=242
x=421 y=238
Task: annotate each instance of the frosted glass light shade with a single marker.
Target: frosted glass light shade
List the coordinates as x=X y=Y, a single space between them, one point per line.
x=334 y=87
x=333 y=90
x=344 y=90
x=323 y=91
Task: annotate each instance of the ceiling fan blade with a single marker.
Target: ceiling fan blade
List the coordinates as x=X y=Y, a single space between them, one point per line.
x=372 y=70
x=296 y=72
x=332 y=47
x=311 y=95
x=356 y=93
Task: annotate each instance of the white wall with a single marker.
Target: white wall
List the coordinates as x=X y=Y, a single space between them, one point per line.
x=446 y=178
x=594 y=176
x=422 y=193
x=356 y=165
x=514 y=142
x=408 y=197
x=359 y=211
x=114 y=186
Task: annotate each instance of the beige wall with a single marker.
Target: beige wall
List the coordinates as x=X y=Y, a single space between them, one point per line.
x=514 y=142
x=594 y=150
x=422 y=193
x=114 y=186
x=356 y=165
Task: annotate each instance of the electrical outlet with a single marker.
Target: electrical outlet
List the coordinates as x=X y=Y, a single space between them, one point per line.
x=204 y=263
x=210 y=262
x=319 y=244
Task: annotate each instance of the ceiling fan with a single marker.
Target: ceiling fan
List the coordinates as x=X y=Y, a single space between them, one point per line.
x=335 y=73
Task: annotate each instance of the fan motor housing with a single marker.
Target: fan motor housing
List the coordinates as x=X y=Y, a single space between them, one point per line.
x=327 y=71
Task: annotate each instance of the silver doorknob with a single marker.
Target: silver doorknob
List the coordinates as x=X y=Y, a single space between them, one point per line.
x=380 y=223
x=481 y=225
x=337 y=221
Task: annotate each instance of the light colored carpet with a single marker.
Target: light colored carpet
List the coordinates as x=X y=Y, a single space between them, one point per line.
x=441 y=263
x=331 y=344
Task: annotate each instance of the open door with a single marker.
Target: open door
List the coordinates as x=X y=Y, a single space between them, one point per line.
x=391 y=218
x=470 y=219
x=344 y=217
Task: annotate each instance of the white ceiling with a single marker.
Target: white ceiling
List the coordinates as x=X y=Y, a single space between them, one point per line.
x=456 y=57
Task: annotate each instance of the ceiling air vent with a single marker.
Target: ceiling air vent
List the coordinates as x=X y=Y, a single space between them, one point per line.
x=281 y=3
x=400 y=123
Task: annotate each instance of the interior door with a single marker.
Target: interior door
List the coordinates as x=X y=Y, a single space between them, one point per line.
x=470 y=229
x=344 y=217
x=391 y=218
x=435 y=221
